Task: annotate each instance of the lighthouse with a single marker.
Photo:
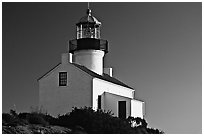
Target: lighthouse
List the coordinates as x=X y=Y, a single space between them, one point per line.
x=88 y=49
x=80 y=79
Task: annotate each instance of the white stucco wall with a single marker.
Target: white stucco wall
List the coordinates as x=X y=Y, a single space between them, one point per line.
x=111 y=103
x=101 y=86
x=137 y=108
x=60 y=99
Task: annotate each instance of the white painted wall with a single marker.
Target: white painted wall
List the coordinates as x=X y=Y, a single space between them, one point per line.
x=101 y=86
x=92 y=59
x=137 y=108
x=111 y=94
x=111 y=103
x=59 y=99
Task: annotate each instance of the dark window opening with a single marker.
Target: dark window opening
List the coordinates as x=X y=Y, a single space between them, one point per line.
x=62 y=78
x=99 y=102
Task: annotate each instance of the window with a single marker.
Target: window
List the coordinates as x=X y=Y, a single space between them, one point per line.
x=99 y=102
x=62 y=78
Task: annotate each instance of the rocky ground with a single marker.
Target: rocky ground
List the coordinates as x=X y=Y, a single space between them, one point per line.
x=39 y=129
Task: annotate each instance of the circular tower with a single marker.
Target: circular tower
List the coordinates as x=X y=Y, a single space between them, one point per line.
x=88 y=49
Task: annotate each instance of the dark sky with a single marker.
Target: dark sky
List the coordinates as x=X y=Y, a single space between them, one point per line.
x=154 y=47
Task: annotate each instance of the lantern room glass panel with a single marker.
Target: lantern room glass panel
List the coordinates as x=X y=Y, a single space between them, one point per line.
x=88 y=31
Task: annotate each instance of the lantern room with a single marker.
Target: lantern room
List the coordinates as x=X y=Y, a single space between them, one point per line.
x=88 y=35
x=88 y=27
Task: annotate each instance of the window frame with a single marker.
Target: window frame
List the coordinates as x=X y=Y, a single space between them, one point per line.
x=62 y=78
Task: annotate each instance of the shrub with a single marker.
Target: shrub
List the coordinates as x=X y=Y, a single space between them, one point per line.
x=23 y=115
x=7 y=118
x=102 y=122
x=154 y=131
x=83 y=120
x=12 y=120
x=51 y=120
x=36 y=118
x=94 y=121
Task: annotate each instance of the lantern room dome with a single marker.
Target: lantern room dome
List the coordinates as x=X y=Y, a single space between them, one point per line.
x=88 y=19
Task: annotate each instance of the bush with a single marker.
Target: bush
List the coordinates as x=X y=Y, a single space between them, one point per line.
x=154 y=131
x=83 y=120
x=94 y=121
x=102 y=122
x=15 y=119
x=23 y=115
x=51 y=120
x=12 y=119
x=36 y=118
x=7 y=118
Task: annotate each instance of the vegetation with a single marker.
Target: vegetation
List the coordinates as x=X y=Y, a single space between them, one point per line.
x=81 y=120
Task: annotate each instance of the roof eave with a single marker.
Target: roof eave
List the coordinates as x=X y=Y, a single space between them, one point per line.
x=48 y=71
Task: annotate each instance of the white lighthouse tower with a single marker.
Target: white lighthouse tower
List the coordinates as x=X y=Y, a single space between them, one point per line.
x=83 y=81
x=88 y=49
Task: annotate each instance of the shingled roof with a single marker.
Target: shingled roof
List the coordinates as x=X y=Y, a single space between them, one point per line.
x=105 y=77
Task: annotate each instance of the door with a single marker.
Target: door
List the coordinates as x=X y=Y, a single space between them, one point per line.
x=122 y=109
x=99 y=102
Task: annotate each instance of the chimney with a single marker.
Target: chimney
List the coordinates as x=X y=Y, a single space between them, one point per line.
x=108 y=71
x=70 y=58
x=66 y=57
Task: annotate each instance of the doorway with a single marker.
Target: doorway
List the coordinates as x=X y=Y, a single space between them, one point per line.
x=122 y=109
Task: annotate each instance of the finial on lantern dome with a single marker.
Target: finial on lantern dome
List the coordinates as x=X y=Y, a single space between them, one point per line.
x=88 y=12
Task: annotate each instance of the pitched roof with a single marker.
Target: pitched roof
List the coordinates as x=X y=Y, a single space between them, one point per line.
x=48 y=71
x=105 y=77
